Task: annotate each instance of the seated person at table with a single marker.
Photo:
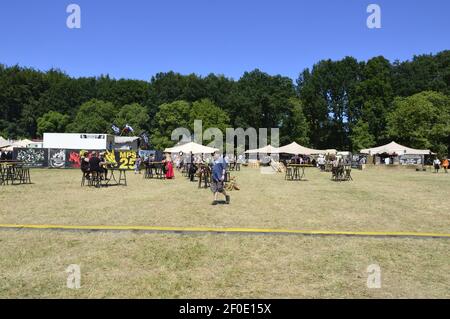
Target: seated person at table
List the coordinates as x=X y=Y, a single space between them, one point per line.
x=95 y=164
x=84 y=164
x=103 y=165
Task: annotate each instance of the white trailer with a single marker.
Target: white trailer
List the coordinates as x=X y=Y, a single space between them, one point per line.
x=78 y=141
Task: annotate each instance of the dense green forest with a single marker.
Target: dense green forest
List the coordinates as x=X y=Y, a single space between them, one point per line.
x=346 y=104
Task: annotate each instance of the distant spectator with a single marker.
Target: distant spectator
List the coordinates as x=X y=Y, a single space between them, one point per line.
x=137 y=165
x=437 y=165
x=445 y=164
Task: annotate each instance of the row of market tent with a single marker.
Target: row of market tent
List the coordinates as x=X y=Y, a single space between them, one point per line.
x=392 y=148
x=9 y=146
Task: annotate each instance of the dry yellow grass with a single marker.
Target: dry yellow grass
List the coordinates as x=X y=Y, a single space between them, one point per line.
x=32 y=263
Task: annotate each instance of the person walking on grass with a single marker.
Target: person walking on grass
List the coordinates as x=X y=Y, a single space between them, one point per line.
x=218 y=178
x=437 y=165
x=445 y=165
x=137 y=165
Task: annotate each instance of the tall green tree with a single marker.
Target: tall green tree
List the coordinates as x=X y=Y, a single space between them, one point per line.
x=259 y=100
x=169 y=117
x=52 y=122
x=294 y=127
x=326 y=92
x=360 y=136
x=210 y=114
x=373 y=98
x=421 y=121
x=134 y=115
x=94 y=116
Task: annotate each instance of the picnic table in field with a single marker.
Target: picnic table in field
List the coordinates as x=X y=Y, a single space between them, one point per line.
x=98 y=179
x=14 y=173
x=154 y=170
x=341 y=173
x=296 y=172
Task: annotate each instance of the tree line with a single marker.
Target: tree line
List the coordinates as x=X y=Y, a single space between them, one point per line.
x=345 y=104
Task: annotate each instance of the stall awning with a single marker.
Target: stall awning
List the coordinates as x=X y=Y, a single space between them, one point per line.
x=394 y=148
x=296 y=149
x=191 y=147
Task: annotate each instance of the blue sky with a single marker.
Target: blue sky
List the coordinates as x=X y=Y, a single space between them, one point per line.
x=138 y=38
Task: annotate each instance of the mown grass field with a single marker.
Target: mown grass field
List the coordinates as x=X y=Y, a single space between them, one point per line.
x=126 y=264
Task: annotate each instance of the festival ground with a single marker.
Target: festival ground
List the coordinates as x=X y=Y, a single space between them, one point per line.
x=129 y=264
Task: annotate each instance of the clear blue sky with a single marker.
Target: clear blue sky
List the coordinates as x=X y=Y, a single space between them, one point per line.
x=138 y=38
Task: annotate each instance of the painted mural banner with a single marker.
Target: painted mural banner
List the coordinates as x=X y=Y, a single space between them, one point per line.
x=126 y=159
x=71 y=158
x=32 y=157
x=57 y=158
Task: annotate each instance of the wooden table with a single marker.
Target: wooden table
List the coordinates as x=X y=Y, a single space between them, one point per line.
x=296 y=172
x=112 y=181
x=154 y=170
x=14 y=171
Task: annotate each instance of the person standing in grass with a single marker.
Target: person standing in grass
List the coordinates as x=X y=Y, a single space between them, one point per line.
x=168 y=168
x=137 y=165
x=445 y=165
x=437 y=165
x=218 y=178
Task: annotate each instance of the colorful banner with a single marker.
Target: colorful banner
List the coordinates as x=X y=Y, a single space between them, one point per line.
x=57 y=158
x=126 y=159
x=32 y=157
x=65 y=158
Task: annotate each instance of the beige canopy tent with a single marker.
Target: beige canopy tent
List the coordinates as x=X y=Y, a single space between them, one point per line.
x=269 y=149
x=297 y=149
x=191 y=147
x=395 y=148
x=4 y=143
x=18 y=144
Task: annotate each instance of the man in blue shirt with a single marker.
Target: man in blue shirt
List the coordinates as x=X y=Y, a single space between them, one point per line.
x=218 y=178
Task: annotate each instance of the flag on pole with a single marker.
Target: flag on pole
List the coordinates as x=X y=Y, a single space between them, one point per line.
x=115 y=129
x=144 y=136
x=129 y=128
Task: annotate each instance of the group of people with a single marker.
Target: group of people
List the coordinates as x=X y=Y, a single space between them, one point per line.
x=6 y=156
x=299 y=159
x=94 y=164
x=217 y=163
x=437 y=165
x=151 y=161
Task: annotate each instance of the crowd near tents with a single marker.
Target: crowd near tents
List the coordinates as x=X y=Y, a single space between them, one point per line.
x=394 y=148
x=55 y=143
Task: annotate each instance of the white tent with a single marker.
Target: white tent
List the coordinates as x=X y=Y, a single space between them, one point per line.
x=297 y=149
x=269 y=149
x=18 y=144
x=4 y=143
x=395 y=148
x=126 y=143
x=191 y=147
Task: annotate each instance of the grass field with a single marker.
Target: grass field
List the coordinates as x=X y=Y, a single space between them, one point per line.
x=113 y=264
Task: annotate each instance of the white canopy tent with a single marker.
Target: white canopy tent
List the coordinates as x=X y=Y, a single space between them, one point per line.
x=18 y=144
x=191 y=147
x=269 y=149
x=297 y=149
x=395 y=148
x=4 y=143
